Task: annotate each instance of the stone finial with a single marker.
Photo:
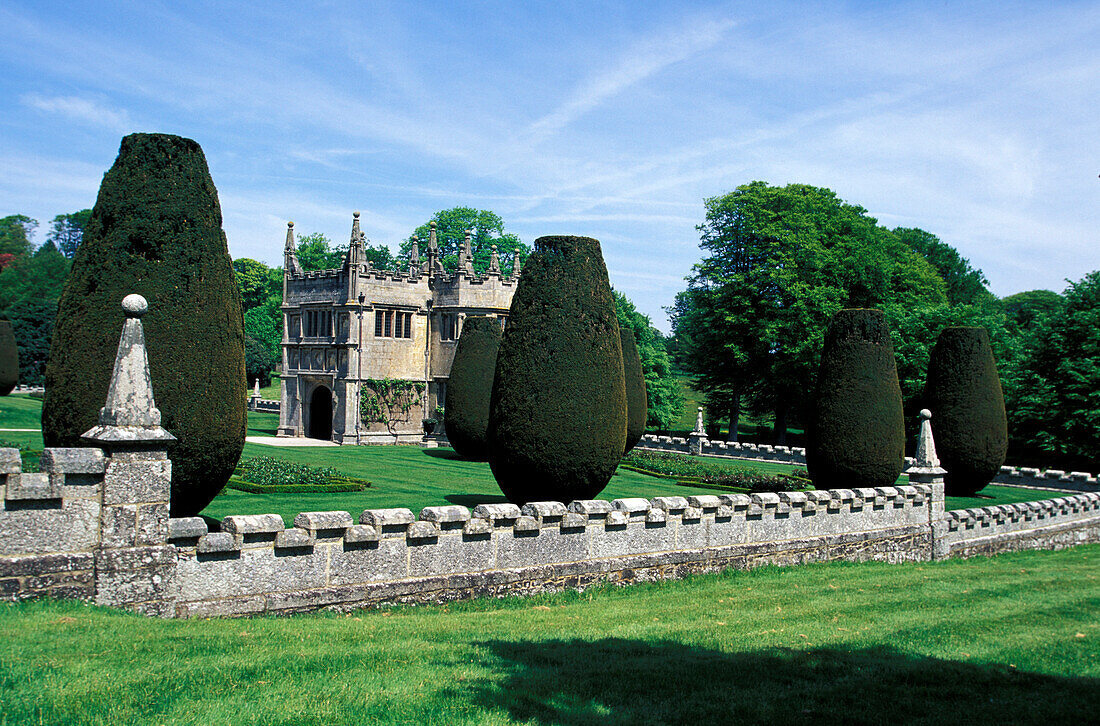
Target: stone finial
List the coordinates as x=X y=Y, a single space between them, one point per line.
x=414 y=252
x=355 y=233
x=699 y=421
x=468 y=252
x=433 y=242
x=927 y=467
x=290 y=252
x=494 y=262
x=130 y=414
x=256 y=388
x=517 y=266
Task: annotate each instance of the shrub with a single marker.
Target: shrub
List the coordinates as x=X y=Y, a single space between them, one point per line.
x=9 y=359
x=637 y=408
x=265 y=473
x=714 y=474
x=466 y=412
x=963 y=391
x=856 y=432
x=557 y=417
x=156 y=230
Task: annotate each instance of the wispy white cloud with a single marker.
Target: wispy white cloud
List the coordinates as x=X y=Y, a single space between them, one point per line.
x=90 y=111
x=646 y=58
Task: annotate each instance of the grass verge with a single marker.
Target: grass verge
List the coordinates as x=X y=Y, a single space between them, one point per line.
x=1010 y=639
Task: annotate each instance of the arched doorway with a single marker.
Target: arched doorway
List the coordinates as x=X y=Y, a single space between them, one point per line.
x=320 y=414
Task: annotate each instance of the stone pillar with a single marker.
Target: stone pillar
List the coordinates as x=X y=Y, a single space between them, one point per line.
x=134 y=564
x=927 y=470
x=699 y=435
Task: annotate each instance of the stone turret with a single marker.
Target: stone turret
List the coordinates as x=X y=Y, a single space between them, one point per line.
x=290 y=254
x=466 y=256
x=414 y=256
x=354 y=257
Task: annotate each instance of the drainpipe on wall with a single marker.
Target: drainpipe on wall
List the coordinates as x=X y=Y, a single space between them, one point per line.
x=427 y=358
x=359 y=375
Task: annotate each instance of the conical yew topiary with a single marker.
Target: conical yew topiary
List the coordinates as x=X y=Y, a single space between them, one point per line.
x=156 y=230
x=9 y=359
x=557 y=419
x=856 y=432
x=637 y=405
x=466 y=413
x=963 y=391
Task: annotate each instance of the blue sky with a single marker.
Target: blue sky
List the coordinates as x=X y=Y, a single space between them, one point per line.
x=979 y=122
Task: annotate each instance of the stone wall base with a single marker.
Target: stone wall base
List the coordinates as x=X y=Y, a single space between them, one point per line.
x=906 y=544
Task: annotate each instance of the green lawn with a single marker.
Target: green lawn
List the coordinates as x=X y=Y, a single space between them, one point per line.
x=19 y=411
x=1011 y=639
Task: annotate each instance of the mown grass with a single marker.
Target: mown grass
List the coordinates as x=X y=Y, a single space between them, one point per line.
x=1012 y=639
x=19 y=411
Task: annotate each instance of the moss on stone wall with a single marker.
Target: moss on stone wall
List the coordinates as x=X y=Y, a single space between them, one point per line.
x=9 y=359
x=637 y=405
x=969 y=425
x=156 y=230
x=557 y=423
x=470 y=386
x=856 y=432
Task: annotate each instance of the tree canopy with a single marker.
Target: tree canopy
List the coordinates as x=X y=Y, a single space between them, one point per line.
x=16 y=231
x=780 y=261
x=487 y=230
x=67 y=231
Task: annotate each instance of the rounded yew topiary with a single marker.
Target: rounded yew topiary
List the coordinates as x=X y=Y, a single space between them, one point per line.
x=856 y=435
x=9 y=359
x=156 y=230
x=637 y=405
x=557 y=418
x=969 y=425
x=466 y=413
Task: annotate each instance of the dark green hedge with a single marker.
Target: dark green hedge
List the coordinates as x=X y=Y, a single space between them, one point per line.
x=637 y=405
x=969 y=425
x=470 y=386
x=156 y=230
x=856 y=435
x=557 y=422
x=9 y=359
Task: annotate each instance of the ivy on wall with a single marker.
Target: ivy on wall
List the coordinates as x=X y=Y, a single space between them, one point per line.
x=388 y=401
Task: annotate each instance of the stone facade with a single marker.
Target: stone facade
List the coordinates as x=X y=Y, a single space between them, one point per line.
x=347 y=326
x=94 y=526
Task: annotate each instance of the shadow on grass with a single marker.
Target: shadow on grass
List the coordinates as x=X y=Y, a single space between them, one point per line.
x=626 y=681
x=472 y=500
x=259 y=430
x=448 y=454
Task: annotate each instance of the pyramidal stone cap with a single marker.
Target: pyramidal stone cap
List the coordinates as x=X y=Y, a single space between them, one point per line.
x=130 y=414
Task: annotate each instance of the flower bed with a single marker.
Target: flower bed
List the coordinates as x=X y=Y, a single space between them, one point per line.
x=693 y=471
x=264 y=475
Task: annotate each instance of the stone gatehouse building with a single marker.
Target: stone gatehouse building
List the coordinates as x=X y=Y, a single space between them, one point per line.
x=348 y=326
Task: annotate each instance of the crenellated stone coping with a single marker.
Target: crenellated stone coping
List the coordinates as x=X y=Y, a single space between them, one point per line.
x=1059 y=478
x=1023 y=511
x=61 y=467
x=257 y=530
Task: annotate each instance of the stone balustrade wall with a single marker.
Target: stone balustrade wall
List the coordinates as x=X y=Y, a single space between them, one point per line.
x=94 y=526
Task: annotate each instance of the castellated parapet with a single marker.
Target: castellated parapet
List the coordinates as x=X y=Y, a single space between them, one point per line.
x=94 y=526
x=348 y=326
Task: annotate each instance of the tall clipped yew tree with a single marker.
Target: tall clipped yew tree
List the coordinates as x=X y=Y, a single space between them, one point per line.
x=856 y=432
x=9 y=359
x=963 y=391
x=557 y=418
x=156 y=230
x=637 y=405
x=466 y=413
